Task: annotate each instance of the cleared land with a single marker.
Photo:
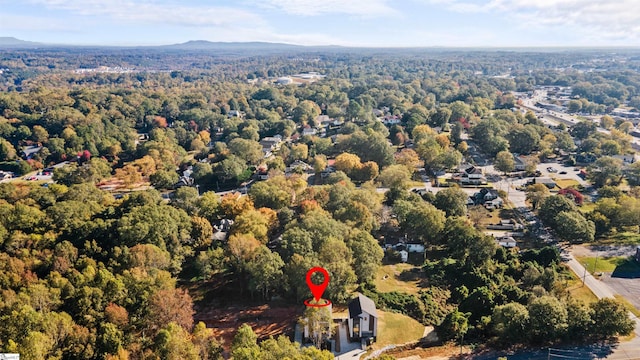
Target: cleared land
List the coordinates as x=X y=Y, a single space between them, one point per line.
x=398 y=277
x=396 y=328
x=565 y=183
x=579 y=291
x=265 y=320
x=621 y=264
x=623 y=238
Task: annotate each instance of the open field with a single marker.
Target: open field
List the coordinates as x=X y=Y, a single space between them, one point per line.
x=623 y=238
x=565 y=183
x=621 y=264
x=396 y=328
x=579 y=291
x=397 y=277
x=484 y=216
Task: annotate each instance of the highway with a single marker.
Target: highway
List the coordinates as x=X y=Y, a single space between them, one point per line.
x=556 y=118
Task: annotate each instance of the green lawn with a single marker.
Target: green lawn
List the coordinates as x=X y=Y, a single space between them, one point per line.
x=579 y=291
x=627 y=304
x=565 y=183
x=396 y=328
x=485 y=216
x=397 y=277
x=622 y=264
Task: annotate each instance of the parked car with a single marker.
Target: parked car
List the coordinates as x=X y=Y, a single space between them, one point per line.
x=562 y=172
x=551 y=170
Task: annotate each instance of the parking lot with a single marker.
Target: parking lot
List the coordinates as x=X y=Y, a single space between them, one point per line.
x=560 y=171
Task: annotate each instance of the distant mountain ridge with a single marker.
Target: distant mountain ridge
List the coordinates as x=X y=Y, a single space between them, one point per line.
x=11 y=42
x=204 y=44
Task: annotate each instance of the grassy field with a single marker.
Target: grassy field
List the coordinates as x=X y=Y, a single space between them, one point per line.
x=578 y=291
x=627 y=304
x=397 y=277
x=623 y=264
x=602 y=264
x=396 y=328
x=587 y=207
x=485 y=216
x=565 y=183
x=623 y=238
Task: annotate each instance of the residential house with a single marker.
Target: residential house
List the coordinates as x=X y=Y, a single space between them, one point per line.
x=285 y=80
x=520 y=163
x=183 y=181
x=262 y=175
x=327 y=172
x=322 y=119
x=330 y=169
x=391 y=120
x=486 y=194
x=496 y=203
x=235 y=113
x=508 y=224
x=546 y=181
x=363 y=318
x=271 y=144
x=415 y=248
x=627 y=159
x=299 y=166
x=29 y=151
x=308 y=131
x=472 y=176
x=325 y=124
x=507 y=242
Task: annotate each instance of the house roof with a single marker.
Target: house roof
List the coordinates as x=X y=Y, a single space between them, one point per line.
x=362 y=304
x=473 y=170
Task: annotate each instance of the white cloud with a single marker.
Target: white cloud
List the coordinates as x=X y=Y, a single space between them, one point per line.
x=597 y=19
x=153 y=11
x=268 y=35
x=11 y=22
x=365 y=8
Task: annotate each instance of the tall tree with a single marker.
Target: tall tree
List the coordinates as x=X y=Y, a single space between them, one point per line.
x=504 y=162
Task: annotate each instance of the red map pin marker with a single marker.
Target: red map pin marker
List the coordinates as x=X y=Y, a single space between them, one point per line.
x=317 y=290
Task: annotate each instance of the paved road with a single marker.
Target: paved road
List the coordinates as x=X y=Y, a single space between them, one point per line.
x=555 y=118
x=599 y=289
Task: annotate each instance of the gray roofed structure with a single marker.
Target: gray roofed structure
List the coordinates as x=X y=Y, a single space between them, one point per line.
x=360 y=304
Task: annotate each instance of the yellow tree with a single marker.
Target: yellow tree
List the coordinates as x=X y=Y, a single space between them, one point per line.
x=129 y=175
x=347 y=163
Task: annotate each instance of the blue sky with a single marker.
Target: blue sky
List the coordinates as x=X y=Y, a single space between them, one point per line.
x=388 y=23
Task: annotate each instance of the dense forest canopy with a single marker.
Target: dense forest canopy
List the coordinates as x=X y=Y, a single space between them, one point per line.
x=85 y=274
